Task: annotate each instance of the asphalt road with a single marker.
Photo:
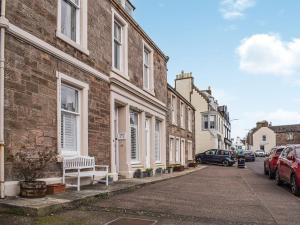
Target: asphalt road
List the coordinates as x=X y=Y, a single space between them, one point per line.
x=213 y=196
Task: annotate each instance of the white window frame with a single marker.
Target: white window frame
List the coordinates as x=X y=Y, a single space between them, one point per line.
x=171 y=150
x=157 y=152
x=150 y=87
x=177 y=150
x=137 y=159
x=82 y=134
x=174 y=109
x=182 y=114
x=123 y=71
x=190 y=119
x=81 y=42
x=190 y=150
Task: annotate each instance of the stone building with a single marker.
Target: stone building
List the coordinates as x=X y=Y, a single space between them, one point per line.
x=181 y=129
x=212 y=122
x=265 y=136
x=80 y=77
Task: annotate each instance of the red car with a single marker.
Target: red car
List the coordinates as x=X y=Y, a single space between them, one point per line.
x=288 y=168
x=270 y=163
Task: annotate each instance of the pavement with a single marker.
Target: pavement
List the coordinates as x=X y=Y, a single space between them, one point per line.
x=215 y=195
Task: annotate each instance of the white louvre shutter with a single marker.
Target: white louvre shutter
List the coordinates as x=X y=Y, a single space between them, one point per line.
x=133 y=142
x=68 y=132
x=157 y=141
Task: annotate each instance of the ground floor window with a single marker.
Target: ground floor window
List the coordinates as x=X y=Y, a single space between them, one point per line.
x=157 y=140
x=70 y=120
x=177 y=150
x=134 y=135
x=171 y=149
x=190 y=150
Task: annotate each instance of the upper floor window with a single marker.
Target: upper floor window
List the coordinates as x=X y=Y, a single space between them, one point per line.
x=174 y=109
x=264 y=138
x=190 y=113
x=212 y=122
x=182 y=115
x=205 y=122
x=119 y=37
x=72 y=23
x=148 y=68
x=117 y=45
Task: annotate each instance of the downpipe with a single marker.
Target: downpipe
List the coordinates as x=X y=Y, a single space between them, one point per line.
x=2 y=60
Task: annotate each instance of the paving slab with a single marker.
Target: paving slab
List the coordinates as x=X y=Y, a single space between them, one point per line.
x=72 y=199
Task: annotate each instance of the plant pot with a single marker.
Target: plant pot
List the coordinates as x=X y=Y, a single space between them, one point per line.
x=193 y=164
x=33 y=189
x=53 y=189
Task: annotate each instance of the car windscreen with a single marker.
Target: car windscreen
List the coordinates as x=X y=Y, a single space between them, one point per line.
x=278 y=151
x=298 y=152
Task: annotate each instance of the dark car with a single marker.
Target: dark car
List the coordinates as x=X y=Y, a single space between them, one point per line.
x=216 y=156
x=249 y=156
x=288 y=168
x=270 y=163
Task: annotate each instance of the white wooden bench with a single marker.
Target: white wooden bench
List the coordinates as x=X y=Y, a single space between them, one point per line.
x=83 y=166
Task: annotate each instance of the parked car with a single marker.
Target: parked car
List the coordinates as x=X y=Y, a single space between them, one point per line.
x=216 y=156
x=260 y=153
x=249 y=156
x=288 y=168
x=270 y=163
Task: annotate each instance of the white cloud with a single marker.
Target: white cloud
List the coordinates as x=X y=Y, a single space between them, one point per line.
x=233 y=9
x=268 y=54
x=280 y=116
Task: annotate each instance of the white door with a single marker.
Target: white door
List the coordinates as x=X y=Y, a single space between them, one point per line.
x=147 y=142
x=182 y=150
x=116 y=141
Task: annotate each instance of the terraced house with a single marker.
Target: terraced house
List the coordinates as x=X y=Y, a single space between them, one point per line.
x=181 y=129
x=212 y=121
x=80 y=77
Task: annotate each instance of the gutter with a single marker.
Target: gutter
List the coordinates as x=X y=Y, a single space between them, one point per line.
x=3 y=25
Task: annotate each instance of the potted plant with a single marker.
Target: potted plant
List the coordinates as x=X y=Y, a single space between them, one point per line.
x=149 y=172
x=193 y=164
x=30 y=165
x=159 y=171
x=137 y=174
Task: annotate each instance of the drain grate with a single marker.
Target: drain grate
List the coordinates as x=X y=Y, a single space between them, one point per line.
x=131 y=221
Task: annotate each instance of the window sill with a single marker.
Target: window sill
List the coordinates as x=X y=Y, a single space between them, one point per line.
x=150 y=91
x=120 y=73
x=72 y=43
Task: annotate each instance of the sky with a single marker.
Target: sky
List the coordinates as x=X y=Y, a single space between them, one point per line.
x=248 y=51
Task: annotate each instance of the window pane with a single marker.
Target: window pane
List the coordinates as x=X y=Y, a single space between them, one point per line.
x=117 y=55
x=68 y=132
x=68 y=19
x=117 y=32
x=157 y=140
x=146 y=77
x=69 y=99
x=134 y=135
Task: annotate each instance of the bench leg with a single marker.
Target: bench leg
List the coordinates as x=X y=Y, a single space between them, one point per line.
x=78 y=183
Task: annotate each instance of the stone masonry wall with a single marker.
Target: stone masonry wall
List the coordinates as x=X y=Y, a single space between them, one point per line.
x=31 y=106
x=281 y=138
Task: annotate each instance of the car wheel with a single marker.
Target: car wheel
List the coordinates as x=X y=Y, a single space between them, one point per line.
x=277 y=178
x=225 y=163
x=199 y=160
x=271 y=174
x=294 y=187
x=265 y=170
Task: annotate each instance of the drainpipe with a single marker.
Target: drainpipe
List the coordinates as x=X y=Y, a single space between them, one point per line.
x=2 y=36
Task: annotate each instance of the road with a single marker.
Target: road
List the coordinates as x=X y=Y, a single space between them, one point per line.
x=213 y=196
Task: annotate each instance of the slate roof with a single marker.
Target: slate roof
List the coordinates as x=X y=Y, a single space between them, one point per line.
x=286 y=128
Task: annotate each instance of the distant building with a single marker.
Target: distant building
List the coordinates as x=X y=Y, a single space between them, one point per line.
x=180 y=130
x=212 y=122
x=265 y=136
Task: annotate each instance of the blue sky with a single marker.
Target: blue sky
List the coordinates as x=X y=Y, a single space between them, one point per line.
x=248 y=51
